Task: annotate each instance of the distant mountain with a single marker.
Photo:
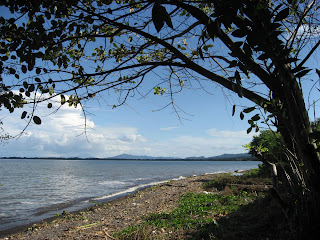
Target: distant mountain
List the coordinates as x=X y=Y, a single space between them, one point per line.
x=233 y=156
x=133 y=157
x=239 y=156
x=223 y=157
x=195 y=158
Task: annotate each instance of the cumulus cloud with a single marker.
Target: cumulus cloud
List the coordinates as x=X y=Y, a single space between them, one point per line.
x=66 y=133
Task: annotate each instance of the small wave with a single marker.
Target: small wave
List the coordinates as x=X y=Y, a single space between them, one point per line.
x=179 y=178
x=127 y=191
x=217 y=172
x=140 y=179
x=4 y=215
x=26 y=202
x=112 y=183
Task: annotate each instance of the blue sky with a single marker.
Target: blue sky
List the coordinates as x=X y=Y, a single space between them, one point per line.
x=137 y=129
x=205 y=128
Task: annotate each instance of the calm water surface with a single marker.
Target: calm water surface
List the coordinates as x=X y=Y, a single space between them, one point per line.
x=31 y=190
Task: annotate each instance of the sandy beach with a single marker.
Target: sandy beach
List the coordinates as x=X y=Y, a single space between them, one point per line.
x=103 y=220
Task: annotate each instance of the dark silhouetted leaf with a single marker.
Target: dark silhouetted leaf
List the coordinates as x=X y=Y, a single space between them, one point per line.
x=248 y=110
x=37 y=120
x=233 y=64
x=160 y=16
x=49 y=105
x=298 y=69
x=157 y=16
x=255 y=117
x=25 y=84
x=23 y=115
x=239 y=33
x=302 y=73
x=291 y=60
x=31 y=88
x=282 y=15
x=24 y=68
x=263 y=56
x=241 y=116
x=233 y=110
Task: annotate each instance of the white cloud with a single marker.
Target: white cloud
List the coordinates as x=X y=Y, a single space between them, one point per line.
x=230 y=134
x=63 y=134
x=168 y=128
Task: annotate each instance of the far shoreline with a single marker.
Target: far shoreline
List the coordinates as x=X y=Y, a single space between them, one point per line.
x=135 y=159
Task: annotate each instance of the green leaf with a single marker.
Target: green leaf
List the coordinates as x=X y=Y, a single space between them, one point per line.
x=37 y=120
x=63 y=99
x=282 y=15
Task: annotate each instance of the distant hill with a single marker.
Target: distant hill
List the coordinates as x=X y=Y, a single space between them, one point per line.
x=223 y=157
x=233 y=156
x=133 y=157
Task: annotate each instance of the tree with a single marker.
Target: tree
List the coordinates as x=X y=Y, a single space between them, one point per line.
x=80 y=49
x=268 y=147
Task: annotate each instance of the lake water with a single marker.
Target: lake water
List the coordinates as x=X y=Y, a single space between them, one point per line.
x=35 y=189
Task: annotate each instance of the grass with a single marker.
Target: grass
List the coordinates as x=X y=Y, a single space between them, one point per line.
x=205 y=216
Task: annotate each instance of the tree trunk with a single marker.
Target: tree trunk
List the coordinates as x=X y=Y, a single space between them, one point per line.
x=294 y=125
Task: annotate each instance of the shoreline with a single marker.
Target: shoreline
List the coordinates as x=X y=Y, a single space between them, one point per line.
x=114 y=200
x=113 y=197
